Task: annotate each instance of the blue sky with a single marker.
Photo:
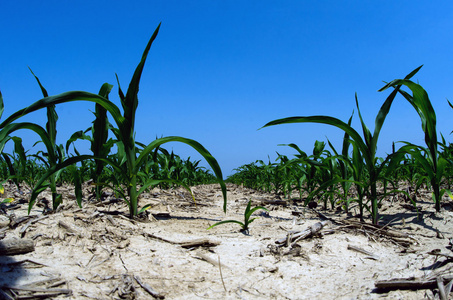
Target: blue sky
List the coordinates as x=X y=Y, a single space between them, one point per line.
x=219 y=70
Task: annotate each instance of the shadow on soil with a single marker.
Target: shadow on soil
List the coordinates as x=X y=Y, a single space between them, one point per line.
x=11 y=270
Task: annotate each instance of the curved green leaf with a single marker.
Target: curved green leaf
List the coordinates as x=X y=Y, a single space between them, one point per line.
x=39 y=187
x=253 y=210
x=78 y=135
x=227 y=221
x=130 y=102
x=195 y=145
x=2 y=106
x=10 y=128
x=328 y=121
x=146 y=207
x=68 y=97
x=302 y=154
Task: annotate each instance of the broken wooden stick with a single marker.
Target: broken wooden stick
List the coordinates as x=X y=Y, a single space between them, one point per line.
x=16 y=246
x=210 y=260
x=148 y=288
x=39 y=292
x=410 y=283
x=296 y=236
x=438 y=253
x=449 y=287
x=188 y=244
x=30 y=222
x=70 y=228
x=360 y=250
x=199 y=243
x=441 y=286
x=27 y=263
x=16 y=221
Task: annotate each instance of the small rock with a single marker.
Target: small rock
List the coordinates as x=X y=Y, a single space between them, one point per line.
x=4 y=221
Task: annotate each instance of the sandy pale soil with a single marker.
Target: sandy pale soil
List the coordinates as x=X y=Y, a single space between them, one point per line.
x=97 y=252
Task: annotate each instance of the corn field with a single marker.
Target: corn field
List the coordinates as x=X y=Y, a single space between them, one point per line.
x=130 y=171
x=353 y=176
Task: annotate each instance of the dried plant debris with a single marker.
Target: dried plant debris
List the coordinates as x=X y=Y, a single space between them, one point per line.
x=95 y=253
x=413 y=283
x=44 y=289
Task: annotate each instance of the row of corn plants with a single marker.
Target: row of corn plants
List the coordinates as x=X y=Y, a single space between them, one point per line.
x=354 y=173
x=29 y=169
x=118 y=161
x=131 y=170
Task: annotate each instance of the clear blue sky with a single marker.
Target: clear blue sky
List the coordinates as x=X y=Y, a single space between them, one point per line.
x=219 y=70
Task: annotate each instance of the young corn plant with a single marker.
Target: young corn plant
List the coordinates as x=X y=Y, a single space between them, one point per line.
x=309 y=167
x=15 y=164
x=100 y=144
x=47 y=137
x=130 y=162
x=247 y=218
x=193 y=174
x=367 y=145
x=283 y=182
x=447 y=154
x=344 y=168
x=358 y=173
x=328 y=173
x=257 y=175
x=171 y=168
x=9 y=171
x=51 y=129
x=298 y=175
x=434 y=165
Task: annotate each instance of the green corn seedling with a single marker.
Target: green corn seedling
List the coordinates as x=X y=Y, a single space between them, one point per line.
x=367 y=145
x=447 y=154
x=129 y=162
x=310 y=167
x=51 y=129
x=434 y=165
x=247 y=218
x=100 y=144
x=47 y=136
x=344 y=167
x=16 y=163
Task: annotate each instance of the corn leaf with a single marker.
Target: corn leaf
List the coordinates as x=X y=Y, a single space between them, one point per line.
x=2 y=107
x=78 y=135
x=40 y=185
x=19 y=149
x=101 y=125
x=7 y=200
x=67 y=97
x=8 y=129
x=131 y=100
x=195 y=145
x=225 y=222
x=324 y=120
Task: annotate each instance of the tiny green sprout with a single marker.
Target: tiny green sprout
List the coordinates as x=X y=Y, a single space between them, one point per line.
x=247 y=214
x=144 y=208
x=7 y=200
